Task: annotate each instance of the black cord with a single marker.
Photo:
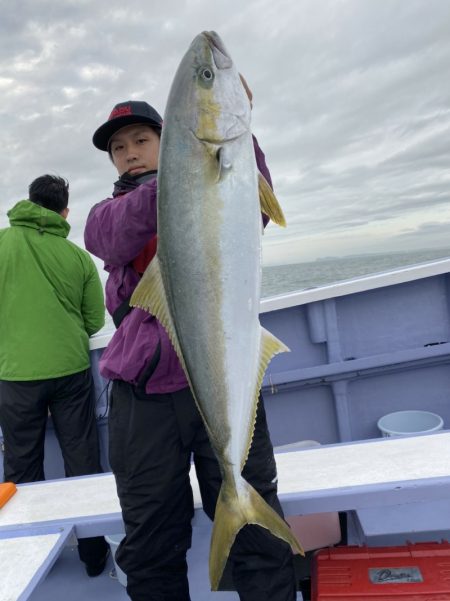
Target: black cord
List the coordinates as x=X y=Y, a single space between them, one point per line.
x=106 y=388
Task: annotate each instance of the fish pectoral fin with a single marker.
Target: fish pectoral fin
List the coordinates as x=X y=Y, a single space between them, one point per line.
x=269 y=203
x=150 y=296
x=221 y=155
x=225 y=163
x=233 y=512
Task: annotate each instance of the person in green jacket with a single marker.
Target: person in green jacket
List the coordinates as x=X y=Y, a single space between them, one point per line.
x=51 y=302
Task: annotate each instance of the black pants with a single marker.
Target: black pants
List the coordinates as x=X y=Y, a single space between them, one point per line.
x=151 y=440
x=24 y=410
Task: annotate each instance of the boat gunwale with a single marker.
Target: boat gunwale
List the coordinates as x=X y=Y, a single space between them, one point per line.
x=320 y=293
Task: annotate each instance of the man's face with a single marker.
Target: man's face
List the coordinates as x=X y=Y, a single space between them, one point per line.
x=135 y=148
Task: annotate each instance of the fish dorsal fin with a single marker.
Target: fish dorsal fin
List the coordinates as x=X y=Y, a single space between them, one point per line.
x=270 y=346
x=150 y=296
x=269 y=203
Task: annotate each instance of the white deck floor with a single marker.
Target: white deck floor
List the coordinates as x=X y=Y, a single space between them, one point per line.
x=378 y=468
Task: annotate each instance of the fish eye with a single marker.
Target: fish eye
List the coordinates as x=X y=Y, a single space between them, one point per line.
x=206 y=75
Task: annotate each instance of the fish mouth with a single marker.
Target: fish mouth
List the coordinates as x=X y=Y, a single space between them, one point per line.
x=220 y=54
x=216 y=142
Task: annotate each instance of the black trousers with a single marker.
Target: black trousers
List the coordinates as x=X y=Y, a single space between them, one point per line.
x=152 y=439
x=24 y=410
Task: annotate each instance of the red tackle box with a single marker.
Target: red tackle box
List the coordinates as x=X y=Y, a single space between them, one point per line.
x=412 y=572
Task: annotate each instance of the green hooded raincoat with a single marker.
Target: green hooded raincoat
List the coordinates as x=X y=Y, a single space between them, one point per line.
x=51 y=297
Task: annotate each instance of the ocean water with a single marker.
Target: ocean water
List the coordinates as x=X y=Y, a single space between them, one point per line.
x=279 y=279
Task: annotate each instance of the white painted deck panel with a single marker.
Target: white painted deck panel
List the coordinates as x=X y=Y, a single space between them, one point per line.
x=20 y=559
x=318 y=469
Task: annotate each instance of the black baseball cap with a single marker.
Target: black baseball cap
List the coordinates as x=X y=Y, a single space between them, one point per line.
x=126 y=113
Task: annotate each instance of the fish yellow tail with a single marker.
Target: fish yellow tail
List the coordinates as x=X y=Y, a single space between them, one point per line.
x=233 y=511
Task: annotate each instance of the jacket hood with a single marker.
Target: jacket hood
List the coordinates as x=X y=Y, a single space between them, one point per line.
x=28 y=214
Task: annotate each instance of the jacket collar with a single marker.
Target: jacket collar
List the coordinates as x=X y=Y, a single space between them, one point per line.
x=127 y=182
x=29 y=214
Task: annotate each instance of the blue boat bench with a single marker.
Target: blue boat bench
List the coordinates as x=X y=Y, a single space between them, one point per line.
x=349 y=476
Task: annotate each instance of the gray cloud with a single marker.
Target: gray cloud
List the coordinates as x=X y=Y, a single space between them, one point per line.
x=351 y=103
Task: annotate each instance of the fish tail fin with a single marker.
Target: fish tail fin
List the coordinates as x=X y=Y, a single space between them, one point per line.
x=233 y=511
x=269 y=203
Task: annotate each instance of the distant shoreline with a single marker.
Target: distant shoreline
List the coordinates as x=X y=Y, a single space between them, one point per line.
x=292 y=277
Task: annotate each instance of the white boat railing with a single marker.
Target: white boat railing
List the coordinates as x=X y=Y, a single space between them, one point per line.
x=346 y=287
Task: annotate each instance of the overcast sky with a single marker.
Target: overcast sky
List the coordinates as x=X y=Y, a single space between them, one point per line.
x=351 y=106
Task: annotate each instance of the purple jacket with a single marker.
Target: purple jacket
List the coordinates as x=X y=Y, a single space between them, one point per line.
x=117 y=229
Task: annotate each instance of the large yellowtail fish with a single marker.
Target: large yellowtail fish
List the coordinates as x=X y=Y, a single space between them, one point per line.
x=204 y=282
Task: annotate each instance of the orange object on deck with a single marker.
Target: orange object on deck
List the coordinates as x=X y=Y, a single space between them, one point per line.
x=410 y=572
x=7 y=489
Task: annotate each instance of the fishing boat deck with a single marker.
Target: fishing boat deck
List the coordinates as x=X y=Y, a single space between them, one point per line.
x=359 y=349
x=374 y=473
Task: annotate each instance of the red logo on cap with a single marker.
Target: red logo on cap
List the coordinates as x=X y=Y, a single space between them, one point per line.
x=120 y=112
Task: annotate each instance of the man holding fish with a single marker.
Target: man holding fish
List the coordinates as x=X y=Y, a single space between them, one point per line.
x=189 y=355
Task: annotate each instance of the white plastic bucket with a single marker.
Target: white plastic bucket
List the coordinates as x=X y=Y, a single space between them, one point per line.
x=407 y=423
x=114 y=540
